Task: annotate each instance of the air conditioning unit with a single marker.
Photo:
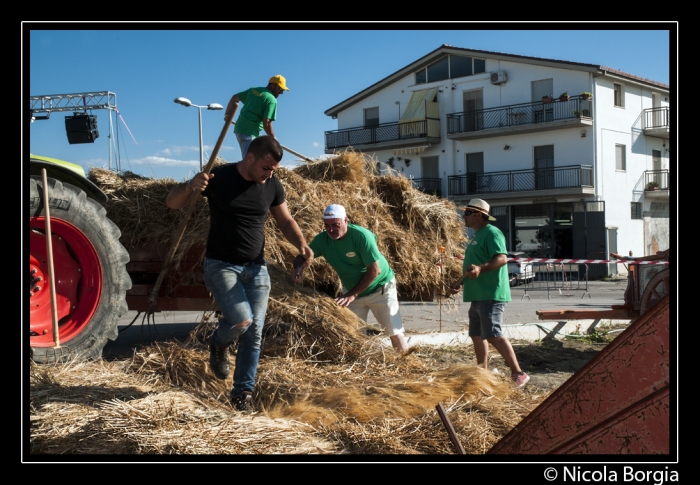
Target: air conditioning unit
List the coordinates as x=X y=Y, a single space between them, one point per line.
x=498 y=77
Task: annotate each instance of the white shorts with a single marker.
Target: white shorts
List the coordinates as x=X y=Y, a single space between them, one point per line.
x=384 y=305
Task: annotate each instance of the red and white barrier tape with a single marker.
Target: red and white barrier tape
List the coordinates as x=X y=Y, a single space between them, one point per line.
x=584 y=261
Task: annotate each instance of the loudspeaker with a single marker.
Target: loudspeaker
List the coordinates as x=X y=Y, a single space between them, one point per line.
x=81 y=128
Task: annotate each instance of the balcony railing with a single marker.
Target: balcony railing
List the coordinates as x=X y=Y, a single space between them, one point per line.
x=655 y=118
x=385 y=132
x=571 y=176
x=518 y=114
x=431 y=186
x=657 y=177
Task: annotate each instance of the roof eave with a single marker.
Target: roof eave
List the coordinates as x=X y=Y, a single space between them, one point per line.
x=448 y=49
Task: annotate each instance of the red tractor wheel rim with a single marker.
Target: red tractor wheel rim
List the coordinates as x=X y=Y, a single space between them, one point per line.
x=78 y=281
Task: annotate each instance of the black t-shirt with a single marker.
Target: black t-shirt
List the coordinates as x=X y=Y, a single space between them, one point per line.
x=237 y=212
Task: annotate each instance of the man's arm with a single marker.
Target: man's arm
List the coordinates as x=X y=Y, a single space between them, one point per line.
x=267 y=126
x=183 y=194
x=372 y=272
x=231 y=108
x=498 y=260
x=291 y=231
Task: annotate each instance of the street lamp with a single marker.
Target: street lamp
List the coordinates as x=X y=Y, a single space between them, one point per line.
x=213 y=106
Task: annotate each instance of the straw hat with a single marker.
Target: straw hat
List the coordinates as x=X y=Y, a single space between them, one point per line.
x=481 y=206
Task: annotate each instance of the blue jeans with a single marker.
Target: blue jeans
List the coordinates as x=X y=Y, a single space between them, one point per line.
x=485 y=318
x=244 y=142
x=241 y=292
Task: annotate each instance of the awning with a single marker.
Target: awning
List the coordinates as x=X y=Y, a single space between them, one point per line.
x=411 y=150
x=415 y=111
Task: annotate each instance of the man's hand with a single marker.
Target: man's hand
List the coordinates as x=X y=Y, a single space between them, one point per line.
x=473 y=271
x=344 y=300
x=455 y=288
x=308 y=254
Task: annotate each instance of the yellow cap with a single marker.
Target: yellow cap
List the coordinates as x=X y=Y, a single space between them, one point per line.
x=280 y=81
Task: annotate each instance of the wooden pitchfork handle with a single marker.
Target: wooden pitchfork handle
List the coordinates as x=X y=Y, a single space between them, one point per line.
x=153 y=296
x=290 y=150
x=49 y=253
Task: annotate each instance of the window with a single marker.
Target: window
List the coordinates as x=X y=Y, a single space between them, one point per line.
x=450 y=67
x=371 y=117
x=439 y=71
x=618 y=95
x=620 y=158
x=636 y=210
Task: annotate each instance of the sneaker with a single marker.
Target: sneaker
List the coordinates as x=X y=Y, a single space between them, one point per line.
x=218 y=360
x=244 y=403
x=520 y=379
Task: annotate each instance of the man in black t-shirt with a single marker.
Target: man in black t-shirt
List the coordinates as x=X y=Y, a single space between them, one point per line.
x=239 y=197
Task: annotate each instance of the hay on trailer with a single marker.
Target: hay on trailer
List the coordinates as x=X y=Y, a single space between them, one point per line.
x=410 y=225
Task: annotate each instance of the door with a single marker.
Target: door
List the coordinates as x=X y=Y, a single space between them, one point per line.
x=473 y=110
x=656 y=167
x=544 y=167
x=542 y=112
x=431 y=183
x=475 y=171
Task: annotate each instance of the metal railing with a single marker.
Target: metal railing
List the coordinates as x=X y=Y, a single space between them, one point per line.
x=365 y=135
x=658 y=178
x=570 y=176
x=518 y=114
x=655 y=118
x=428 y=185
x=566 y=279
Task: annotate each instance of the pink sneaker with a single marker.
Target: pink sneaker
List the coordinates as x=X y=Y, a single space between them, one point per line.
x=520 y=379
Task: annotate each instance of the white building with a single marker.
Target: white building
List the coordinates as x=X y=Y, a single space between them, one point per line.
x=566 y=177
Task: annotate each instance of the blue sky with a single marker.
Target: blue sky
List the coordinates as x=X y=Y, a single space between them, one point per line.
x=148 y=69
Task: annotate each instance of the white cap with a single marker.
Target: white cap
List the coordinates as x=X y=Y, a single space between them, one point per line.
x=334 y=211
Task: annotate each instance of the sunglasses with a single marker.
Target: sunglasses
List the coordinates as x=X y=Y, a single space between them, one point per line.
x=467 y=213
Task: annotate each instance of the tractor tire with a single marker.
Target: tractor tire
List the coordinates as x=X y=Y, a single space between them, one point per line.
x=90 y=280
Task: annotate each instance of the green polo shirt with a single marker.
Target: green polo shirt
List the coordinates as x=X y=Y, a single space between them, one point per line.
x=490 y=285
x=258 y=104
x=351 y=255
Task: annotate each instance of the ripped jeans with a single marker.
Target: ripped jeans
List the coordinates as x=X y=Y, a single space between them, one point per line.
x=241 y=292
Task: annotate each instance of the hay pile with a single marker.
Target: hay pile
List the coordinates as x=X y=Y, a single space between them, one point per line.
x=163 y=401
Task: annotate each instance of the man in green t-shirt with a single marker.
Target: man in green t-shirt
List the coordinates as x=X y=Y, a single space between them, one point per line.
x=368 y=280
x=485 y=284
x=258 y=113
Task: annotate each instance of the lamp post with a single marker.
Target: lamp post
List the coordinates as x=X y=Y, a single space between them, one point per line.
x=213 y=106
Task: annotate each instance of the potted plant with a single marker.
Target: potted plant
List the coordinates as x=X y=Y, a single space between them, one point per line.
x=547 y=98
x=653 y=185
x=407 y=161
x=586 y=95
x=577 y=113
x=564 y=96
x=390 y=162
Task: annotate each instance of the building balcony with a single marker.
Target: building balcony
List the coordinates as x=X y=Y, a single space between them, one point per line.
x=656 y=184
x=432 y=186
x=559 y=181
x=655 y=122
x=385 y=135
x=520 y=118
